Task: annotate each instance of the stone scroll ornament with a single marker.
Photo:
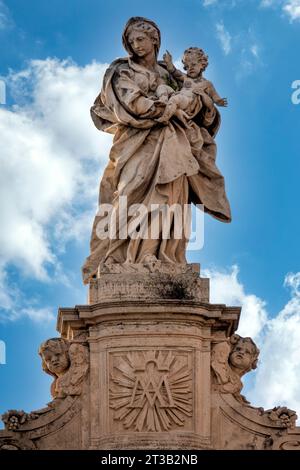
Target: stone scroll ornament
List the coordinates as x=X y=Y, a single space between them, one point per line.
x=233 y=358
x=68 y=363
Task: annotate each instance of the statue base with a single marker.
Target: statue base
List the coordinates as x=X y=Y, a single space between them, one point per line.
x=154 y=376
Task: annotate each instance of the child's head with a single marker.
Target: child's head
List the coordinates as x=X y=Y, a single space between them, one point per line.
x=55 y=357
x=244 y=354
x=195 y=61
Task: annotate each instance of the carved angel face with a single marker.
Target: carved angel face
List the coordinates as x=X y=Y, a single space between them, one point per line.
x=56 y=360
x=242 y=355
x=141 y=43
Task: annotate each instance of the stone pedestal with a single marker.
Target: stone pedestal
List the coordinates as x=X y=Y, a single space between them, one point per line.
x=159 y=373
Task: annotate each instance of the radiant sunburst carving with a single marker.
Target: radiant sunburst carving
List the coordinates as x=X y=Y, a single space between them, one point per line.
x=151 y=390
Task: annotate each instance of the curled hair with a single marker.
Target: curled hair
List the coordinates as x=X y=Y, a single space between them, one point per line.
x=138 y=23
x=198 y=53
x=235 y=339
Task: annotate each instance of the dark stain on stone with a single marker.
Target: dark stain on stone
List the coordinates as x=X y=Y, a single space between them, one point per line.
x=173 y=289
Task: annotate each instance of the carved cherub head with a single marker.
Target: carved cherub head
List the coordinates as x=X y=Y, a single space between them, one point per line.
x=194 y=61
x=244 y=354
x=55 y=356
x=140 y=36
x=67 y=363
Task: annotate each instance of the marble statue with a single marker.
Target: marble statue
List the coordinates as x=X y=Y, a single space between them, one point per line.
x=158 y=157
x=149 y=362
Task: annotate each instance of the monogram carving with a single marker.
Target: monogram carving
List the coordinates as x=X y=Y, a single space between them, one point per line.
x=151 y=390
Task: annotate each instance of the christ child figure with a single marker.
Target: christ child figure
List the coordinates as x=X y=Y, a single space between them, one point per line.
x=192 y=83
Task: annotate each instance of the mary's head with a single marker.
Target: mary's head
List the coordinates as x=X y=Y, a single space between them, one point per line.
x=141 y=37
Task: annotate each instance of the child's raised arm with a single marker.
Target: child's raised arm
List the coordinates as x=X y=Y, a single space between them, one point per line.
x=176 y=74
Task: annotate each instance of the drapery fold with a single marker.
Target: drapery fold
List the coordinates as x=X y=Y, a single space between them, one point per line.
x=152 y=164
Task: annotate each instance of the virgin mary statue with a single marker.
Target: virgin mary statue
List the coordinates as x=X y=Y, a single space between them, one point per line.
x=150 y=163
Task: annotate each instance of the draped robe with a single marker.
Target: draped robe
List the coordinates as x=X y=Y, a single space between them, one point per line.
x=152 y=164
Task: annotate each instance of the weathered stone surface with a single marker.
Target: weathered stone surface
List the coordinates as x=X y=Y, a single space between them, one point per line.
x=231 y=359
x=67 y=362
x=155 y=281
x=149 y=362
x=151 y=374
x=164 y=152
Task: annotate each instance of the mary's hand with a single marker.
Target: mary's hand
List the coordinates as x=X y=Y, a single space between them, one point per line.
x=157 y=109
x=182 y=116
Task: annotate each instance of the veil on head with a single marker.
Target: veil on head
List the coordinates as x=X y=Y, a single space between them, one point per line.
x=141 y=24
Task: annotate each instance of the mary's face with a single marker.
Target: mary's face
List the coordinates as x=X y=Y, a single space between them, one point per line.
x=140 y=43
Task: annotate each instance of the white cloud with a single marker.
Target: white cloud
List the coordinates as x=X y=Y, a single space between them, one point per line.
x=5 y=19
x=277 y=378
x=254 y=49
x=224 y=37
x=38 y=315
x=51 y=161
x=227 y=289
x=276 y=381
x=51 y=158
x=223 y=4
x=267 y=3
x=249 y=52
x=15 y=305
x=250 y=57
x=178 y=64
x=244 y=46
x=292 y=9
x=207 y=3
x=6 y=294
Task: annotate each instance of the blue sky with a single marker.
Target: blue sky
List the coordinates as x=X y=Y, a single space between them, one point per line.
x=52 y=60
